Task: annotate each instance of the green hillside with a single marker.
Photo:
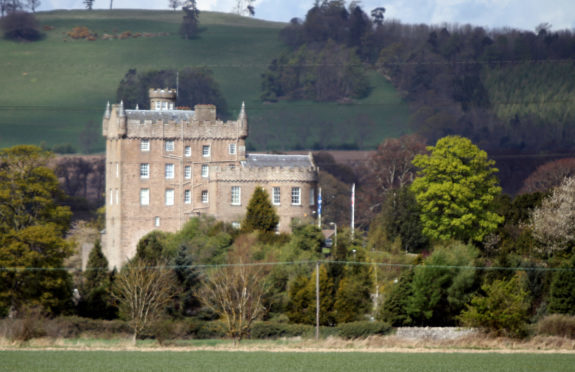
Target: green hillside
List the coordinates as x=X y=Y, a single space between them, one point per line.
x=51 y=90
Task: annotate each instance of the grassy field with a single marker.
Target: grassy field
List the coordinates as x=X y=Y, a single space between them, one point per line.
x=278 y=361
x=51 y=90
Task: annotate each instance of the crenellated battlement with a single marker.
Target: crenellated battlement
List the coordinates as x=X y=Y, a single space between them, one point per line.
x=269 y=174
x=162 y=93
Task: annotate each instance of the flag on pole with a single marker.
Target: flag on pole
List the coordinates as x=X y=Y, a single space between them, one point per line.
x=319 y=208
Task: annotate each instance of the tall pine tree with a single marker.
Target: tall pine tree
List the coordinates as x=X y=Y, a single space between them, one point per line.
x=260 y=215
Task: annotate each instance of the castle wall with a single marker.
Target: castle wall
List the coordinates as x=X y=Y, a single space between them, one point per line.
x=128 y=219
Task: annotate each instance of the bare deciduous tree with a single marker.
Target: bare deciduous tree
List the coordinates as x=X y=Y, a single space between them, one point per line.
x=235 y=292
x=143 y=293
x=549 y=175
x=553 y=223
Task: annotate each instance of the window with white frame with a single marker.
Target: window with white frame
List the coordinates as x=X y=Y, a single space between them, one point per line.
x=232 y=149
x=117 y=196
x=169 y=171
x=157 y=221
x=144 y=170
x=111 y=197
x=276 y=196
x=188 y=172
x=145 y=145
x=169 y=196
x=296 y=196
x=236 y=195
x=205 y=170
x=158 y=105
x=117 y=169
x=206 y=151
x=188 y=151
x=144 y=196
x=164 y=105
x=204 y=196
x=187 y=197
x=312 y=196
x=170 y=145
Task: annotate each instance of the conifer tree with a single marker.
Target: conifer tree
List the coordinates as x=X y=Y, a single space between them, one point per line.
x=260 y=214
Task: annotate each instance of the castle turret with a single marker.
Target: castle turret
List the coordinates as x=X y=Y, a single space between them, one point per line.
x=162 y=99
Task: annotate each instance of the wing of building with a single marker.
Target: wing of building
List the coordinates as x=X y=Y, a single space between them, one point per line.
x=164 y=166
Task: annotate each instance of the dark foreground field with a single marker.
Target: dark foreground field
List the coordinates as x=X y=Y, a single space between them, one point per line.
x=30 y=360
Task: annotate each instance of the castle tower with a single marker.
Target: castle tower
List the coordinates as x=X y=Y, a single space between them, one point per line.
x=162 y=99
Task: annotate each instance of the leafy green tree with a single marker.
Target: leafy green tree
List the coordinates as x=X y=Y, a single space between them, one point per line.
x=503 y=309
x=456 y=189
x=562 y=291
x=152 y=247
x=32 y=227
x=260 y=213
x=442 y=285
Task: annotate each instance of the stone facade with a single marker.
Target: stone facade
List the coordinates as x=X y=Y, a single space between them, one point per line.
x=164 y=166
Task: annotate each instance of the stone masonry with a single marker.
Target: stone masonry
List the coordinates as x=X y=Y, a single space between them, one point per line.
x=164 y=166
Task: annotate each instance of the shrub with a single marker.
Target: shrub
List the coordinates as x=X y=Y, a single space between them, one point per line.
x=264 y=330
x=557 y=325
x=81 y=32
x=20 y=26
x=362 y=329
x=202 y=330
x=74 y=326
x=503 y=311
x=29 y=325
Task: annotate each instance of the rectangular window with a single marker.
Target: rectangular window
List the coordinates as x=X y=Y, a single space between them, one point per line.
x=117 y=196
x=170 y=145
x=187 y=197
x=204 y=196
x=188 y=151
x=157 y=221
x=111 y=197
x=145 y=170
x=169 y=171
x=312 y=196
x=236 y=195
x=169 y=196
x=276 y=196
x=188 y=172
x=164 y=105
x=232 y=149
x=117 y=169
x=145 y=145
x=206 y=151
x=144 y=196
x=295 y=196
x=205 y=170
x=158 y=105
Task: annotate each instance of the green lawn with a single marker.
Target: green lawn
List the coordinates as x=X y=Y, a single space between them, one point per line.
x=52 y=89
x=284 y=361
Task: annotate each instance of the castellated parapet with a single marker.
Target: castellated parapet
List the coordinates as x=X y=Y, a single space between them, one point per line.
x=164 y=166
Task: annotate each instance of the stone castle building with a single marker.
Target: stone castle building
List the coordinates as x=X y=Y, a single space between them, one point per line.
x=164 y=166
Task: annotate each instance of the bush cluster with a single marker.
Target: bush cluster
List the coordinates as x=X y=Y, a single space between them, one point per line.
x=557 y=325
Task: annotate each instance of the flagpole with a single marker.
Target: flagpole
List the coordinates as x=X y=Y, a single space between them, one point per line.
x=352 y=211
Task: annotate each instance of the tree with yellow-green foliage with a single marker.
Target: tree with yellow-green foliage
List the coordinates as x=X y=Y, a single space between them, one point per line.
x=455 y=189
x=32 y=227
x=260 y=214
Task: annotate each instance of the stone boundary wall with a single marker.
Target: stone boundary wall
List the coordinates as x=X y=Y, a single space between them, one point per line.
x=434 y=333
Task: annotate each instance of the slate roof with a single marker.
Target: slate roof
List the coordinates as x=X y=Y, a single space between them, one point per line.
x=286 y=161
x=160 y=115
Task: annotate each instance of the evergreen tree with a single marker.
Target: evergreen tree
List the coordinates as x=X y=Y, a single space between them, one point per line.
x=190 y=23
x=188 y=279
x=96 y=300
x=302 y=305
x=562 y=291
x=352 y=299
x=394 y=308
x=260 y=214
